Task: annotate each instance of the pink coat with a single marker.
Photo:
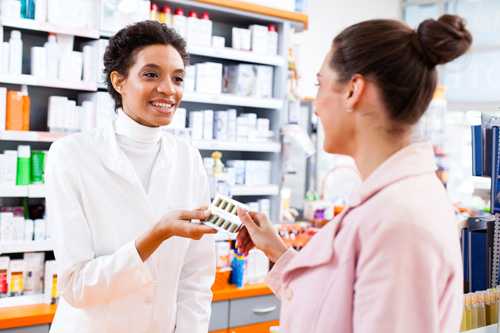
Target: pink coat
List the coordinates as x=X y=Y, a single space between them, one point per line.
x=390 y=263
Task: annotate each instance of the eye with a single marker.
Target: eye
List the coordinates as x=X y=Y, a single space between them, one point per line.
x=179 y=79
x=151 y=75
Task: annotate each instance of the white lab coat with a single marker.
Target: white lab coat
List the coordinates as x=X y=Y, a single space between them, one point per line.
x=97 y=207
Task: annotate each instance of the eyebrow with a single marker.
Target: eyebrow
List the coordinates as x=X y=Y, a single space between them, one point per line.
x=177 y=71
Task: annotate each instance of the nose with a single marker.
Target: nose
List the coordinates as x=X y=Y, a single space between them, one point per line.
x=166 y=86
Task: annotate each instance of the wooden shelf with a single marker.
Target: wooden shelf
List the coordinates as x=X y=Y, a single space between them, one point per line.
x=295 y=17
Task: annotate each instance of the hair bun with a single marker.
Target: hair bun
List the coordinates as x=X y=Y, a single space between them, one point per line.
x=443 y=40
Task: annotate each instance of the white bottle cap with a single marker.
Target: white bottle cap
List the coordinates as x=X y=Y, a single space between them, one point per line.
x=24 y=151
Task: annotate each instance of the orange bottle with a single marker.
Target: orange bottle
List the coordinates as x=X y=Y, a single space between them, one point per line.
x=14 y=116
x=26 y=108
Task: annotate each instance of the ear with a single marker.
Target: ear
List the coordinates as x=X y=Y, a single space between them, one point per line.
x=117 y=80
x=355 y=90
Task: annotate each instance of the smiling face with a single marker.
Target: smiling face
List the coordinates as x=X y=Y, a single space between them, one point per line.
x=153 y=88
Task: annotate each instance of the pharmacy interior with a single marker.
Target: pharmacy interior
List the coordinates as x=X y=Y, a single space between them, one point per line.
x=248 y=107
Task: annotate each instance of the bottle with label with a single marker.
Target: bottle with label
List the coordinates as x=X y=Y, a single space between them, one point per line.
x=154 y=14
x=4 y=267
x=206 y=27
x=14 y=115
x=179 y=22
x=15 y=53
x=26 y=108
x=23 y=165
x=28 y=9
x=192 y=29
x=166 y=16
x=272 y=40
x=53 y=56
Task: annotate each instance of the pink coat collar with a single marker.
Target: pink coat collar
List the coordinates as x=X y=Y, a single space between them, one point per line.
x=411 y=161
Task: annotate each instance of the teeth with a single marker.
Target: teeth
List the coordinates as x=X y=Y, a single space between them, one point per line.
x=163 y=105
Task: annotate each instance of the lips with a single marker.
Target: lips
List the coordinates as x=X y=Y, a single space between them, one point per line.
x=163 y=106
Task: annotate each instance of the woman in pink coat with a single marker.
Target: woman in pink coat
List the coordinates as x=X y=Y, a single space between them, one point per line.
x=390 y=263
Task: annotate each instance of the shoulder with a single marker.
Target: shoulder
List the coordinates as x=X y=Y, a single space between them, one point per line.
x=74 y=146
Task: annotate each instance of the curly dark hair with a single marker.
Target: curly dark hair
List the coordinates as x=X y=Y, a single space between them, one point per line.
x=124 y=45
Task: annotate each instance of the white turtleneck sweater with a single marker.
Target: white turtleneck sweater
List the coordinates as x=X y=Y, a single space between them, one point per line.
x=140 y=144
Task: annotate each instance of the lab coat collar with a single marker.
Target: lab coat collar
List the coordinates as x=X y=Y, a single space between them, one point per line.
x=410 y=161
x=116 y=160
x=413 y=160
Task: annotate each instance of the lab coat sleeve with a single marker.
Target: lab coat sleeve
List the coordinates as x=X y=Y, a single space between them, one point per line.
x=198 y=271
x=398 y=277
x=85 y=279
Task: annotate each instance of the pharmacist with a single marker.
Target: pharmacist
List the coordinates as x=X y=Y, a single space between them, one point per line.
x=120 y=201
x=391 y=261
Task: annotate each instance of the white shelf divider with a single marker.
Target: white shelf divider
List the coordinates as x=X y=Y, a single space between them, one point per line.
x=30 y=80
x=272 y=147
x=36 y=191
x=30 y=136
x=20 y=247
x=227 y=99
x=244 y=190
x=21 y=300
x=27 y=24
x=238 y=55
x=13 y=191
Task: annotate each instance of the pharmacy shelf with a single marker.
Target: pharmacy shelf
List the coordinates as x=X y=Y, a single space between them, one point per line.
x=30 y=80
x=21 y=300
x=227 y=99
x=29 y=136
x=244 y=190
x=237 y=55
x=272 y=147
x=21 y=247
x=487 y=329
x=30 y=191
x=27 y=24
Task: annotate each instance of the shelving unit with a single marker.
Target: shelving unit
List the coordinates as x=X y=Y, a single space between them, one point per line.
x=19 y=247
x=26 y=24
x=21 y=300
x=32 y=136
x=236 y=55
x=233 y=100
x=30 y=80
x=264 y=190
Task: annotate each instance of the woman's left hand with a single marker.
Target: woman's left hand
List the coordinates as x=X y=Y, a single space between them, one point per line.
x=259 y=232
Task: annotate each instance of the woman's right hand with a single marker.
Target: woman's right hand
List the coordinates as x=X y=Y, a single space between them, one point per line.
x=259 y=232
x=178 y=223
x=175 y=223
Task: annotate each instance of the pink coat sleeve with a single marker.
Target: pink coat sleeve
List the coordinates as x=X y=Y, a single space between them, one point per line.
x=400 y=277
x=274 y=278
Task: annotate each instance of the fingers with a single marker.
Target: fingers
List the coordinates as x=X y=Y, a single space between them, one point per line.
x=247 y=220
x=189 y=215
x=196 y=231
x=259 y=218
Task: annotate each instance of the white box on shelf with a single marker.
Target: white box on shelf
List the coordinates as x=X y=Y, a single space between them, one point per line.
x=50 y=279
x=259 y=39
x=34 y=271
x=190 y=79
x=231 y=125
x=196 y=124
x=208 y=125
x=179 y=120
x=209 y=78
x=240 y=80
x=265 y=207
x=239 y=167
x=218 y=42
x=264 y=81
x=221 y=125
x=104 y=107
x=7 y=233
x=257 y=173
x=19 y=223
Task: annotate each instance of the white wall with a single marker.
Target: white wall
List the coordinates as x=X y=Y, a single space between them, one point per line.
x=326 y=19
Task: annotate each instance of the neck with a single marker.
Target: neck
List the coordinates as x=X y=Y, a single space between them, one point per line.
x=128 y=127
x=373 y=148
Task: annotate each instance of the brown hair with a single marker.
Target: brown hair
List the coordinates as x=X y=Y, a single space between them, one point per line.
x=400 y=60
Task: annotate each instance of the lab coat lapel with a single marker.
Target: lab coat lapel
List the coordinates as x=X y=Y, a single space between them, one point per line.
x=116 y=161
